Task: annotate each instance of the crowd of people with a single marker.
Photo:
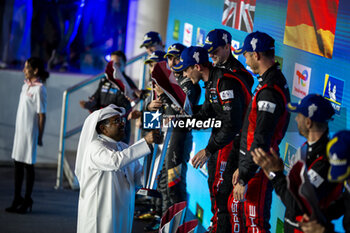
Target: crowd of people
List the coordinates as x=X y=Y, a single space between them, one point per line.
x=242 y=155
x=66 y=35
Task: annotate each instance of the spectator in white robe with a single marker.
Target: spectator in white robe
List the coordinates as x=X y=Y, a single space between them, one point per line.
x=108 y=172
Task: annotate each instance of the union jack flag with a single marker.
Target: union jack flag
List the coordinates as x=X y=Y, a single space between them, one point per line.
x=239 y=14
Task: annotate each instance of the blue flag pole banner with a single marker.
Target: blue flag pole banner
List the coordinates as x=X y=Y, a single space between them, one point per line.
x=333 y=91
x=187 y=35
x=176 y=30
x=200 y=37
x=288 y=155
x=234 y=46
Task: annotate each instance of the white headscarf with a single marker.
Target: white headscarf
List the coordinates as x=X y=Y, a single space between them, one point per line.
x=88 y=133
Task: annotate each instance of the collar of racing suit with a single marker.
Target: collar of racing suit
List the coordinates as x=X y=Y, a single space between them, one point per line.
x=210 y=78
x=317 y=149
x=228 y=63
x=263 y=79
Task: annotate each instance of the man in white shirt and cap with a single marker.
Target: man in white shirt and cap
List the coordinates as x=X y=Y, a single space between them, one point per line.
x=108 y=172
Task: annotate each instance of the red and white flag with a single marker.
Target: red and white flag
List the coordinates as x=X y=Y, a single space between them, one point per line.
x=239 y=14
x=165 y=79
x=173 y=218
x=188 y=227
x=118 y=80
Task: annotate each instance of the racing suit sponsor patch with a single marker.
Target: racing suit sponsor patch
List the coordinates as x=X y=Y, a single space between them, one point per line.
x=225 y=95
x=266 y=106
x=226 y=108
x=315 y=179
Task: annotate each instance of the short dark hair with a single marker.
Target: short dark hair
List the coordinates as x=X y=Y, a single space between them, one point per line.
x=207 y=65
x=321 y=125
x=119 y=53
x=103 y=122
x=269 y=53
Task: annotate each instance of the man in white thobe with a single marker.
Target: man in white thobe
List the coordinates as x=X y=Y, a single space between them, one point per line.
x=108 y=172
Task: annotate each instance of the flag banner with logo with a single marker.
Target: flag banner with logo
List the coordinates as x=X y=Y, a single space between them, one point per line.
x=234 y=45
x=301 y=80
x=289 y=153
x=165 y=79
x=239 y=14
x=302 y=190
x=173 y=218
x=188 y=227
x=333 y=91
x=200 y=37
x=310 y=25
x=176 y=30
x=187 y=35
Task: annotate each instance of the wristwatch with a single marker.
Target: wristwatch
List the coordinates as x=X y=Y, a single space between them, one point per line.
x=272 y=175
x=207 y=153
x=241 y=182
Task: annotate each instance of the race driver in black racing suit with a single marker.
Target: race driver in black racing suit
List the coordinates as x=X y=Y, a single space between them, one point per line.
x=226 y=98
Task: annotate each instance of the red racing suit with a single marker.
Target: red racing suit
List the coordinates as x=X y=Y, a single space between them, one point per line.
x=226 y=99
x=265 y=124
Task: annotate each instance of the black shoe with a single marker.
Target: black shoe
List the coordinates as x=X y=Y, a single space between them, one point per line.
x=26 y=207
x=154 y=225
x=15 y=204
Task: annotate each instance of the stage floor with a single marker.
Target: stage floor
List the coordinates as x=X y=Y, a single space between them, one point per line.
x=54 y=211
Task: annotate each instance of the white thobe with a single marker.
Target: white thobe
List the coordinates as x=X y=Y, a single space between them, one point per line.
x=110 y=172
x=31 y=102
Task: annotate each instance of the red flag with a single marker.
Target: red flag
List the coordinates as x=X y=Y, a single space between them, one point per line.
x=164 y=78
